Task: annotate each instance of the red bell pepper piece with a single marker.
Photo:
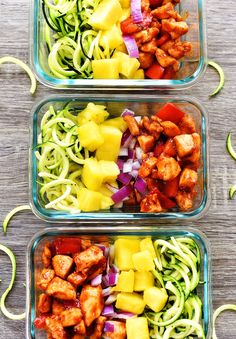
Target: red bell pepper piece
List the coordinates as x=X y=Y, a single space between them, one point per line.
x=169 y=73
x=164 y=38
x=155 y=71
x=40 y=322
x=169 y=148
x=159 y=148
x=171 y=187
x=170 y=112
x=165 y=202
x=67 y=245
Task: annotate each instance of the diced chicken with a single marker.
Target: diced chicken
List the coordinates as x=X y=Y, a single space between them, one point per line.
x=97 y=269
x=85 y=243
x=163 y=12
x=174 y=28
x=46 y=256
x=149 y=47
x=88 y=258
x=55 y=328
x=61 y=289
x=132 y=124
x=166 y=60
x=184 y=200
x=146 y=59
x=188 y=179
x=98 y=330
x=92 y=303
x=151 y=203
x=145 y=35
x=194 y=158
x=119 y=330
x=170 y=129
x=145 y=5
x=80 y=328
x=169 y=148
x=45 y=277
x=146 y=142
x=44 y=304
x=168 y=168
x=184 y=144
x=57 y=307
x=77 y=278
x=62 y=265
x=180 y=49
x=71 y=317
x=147 y=166
x=187 y=125
x=152 y=126
x=78 y=336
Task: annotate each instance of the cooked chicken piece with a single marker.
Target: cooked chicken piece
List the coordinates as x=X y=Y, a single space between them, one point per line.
x=180 y=49
x=85 y=243
x=80 y=328
x=98 y=330
x=132 y=124
x=129 y=27
x=168 y=168
x=62 y=265
x=147 y=166
x=170 y=129
x=86 y=259
x=55 y=328
x=92 y=303
x=184 y=144
x=61 y=289
x=184 y=200
x=78 y=336
x=57 y=307
x=153 y=127
x=169 y=148
x=146 y=142
x=151 y=203
x=145 y=59
x=174 y=28
x=166 y=60
x=168 y=44
x=119 y=331
x=188 y=179
x=44 y=304
x=97 y=269
x=149 y=47
x=77 y=278
x=71 y=317
x=194 y=158
x=46 y=256
x=145 y=35
x=45 y=277
x=145 y=4
x=151 y=183
x=162 y=12
x=187 y=125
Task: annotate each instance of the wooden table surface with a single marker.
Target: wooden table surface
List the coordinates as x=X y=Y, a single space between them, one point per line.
x=15 y=106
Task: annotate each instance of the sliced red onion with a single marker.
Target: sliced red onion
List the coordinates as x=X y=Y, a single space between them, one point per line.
x=112 y=188
x=123 y=152
x=124 y=178
x=131 y=46
x=132 y=143
x=136 y=165
x=97 y=280
x=136 y=11
x=134 y=173
x=127 y=112
x=126 y=137
x=138 y=152
x=128 y=166
x=111 y=299
x=106 y=291
x=138 y=118
x=140 y=185
x=123 y=193
x=109 y=327
x=120 y=164
x=114 y=268
x=112 y=255
x=130 y=153
x=108 y=310
x=113 y=278
x=105 y=281
x=124 y=315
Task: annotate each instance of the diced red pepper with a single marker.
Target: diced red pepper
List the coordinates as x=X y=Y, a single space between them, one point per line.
x=40 y=322
x=170 y=112
x=159 y=149
x=165 y=202
x=127 y=26
x=171 y=187
x=169 y=148
x=67 y=245
x=155 y=71
x=164 y=38
x=169 y=73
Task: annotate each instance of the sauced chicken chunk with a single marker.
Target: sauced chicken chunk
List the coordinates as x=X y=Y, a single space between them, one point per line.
x=62 y=265
x=85 y=243
x=146 y=142
x=97 y=269
x=46 y=276
x=80 y=327
x=147 y=166
x=168 y=168
x=55 y=328
x=194 y=158
x=132 y=124
x=152 y=126
x=46 y=256
x=150 y=47
x=77 y=278
x=166 y=60
x=44 y=303
x=57 y=307
x=184 y=144
x=170 y=129
x=180 y=49
x=187 y=125
x=188 y=179
x=166 y=11
x=145 y=35
x=92 y=303
x=151 y=203
x=98 y=330
x=145 y=59
x=184 y=200
x=174 y=28
x=71 y=317
x=119 y=330
x=61 y=289
x=88 y=258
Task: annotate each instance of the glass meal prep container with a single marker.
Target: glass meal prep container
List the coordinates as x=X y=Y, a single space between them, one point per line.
x=141 y=105
x=192 y=66
x=111 y=233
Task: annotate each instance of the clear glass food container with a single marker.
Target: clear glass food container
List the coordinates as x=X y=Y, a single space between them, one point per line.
x=192 y=66
x=110 y=233
x=141 y=105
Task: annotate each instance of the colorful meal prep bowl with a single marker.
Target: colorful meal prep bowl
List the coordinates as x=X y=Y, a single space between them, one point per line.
x=141 y=105
x=192 y=66
x=110 y=234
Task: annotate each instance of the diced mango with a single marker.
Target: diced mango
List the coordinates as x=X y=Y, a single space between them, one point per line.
x=93 y=201
x=122 y=48
x=125 y=281
x=106 y=202
x=125 y=11
x=125 y=3
x=143 y=261
x=139 y=74
x=127 y=66
x=112 y=38
x=106 y=15
x=130 y=302
x=105 y=69
x=90 y=136
x=118 y=123
x=105 y=191
x=137 y=328
x=124 y=250
x=155 y=298
x=147 y=244
x=110 y=170
x=92 y=112
x=92 y=177
x=109 y=150
x=143 y=280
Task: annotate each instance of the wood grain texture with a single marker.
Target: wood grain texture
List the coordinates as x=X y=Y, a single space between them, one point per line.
x=15 y=106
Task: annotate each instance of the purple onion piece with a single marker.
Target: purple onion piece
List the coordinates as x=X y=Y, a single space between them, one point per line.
x=124 y=152
x=109 y=327
x=97 y=280
x=140 y=185
x=124 y=315
x=112 y=188
x=106 y=291
x=131 y=45
x=111 y=299
x=126 y=137
x=120 y=164
x=127 y=111
x=113 y=278
x=136 y=11
x=108 y=310
x=123 y=193
x=124 y=178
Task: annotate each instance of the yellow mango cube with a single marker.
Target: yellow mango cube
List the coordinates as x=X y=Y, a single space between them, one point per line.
x=112 y=38
x=125 y=3
x=125 y=10
x=110 y=170
x=105 y=69
x=121 y=48
x=143 y=280
x=124 y=250
x=143 y=261
x=106 y=202
x=125 y=281
x=90 y=136
x=105 y=191
x=155 y=298
x=147 y=244
x=127 y=66
x=92 y=177
x=139 y=74
x=137 y=328
x=93 y=201
x=118 y=123
x=106 y=15
x=110 y=149
x=92 y=112
x=130 y=302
